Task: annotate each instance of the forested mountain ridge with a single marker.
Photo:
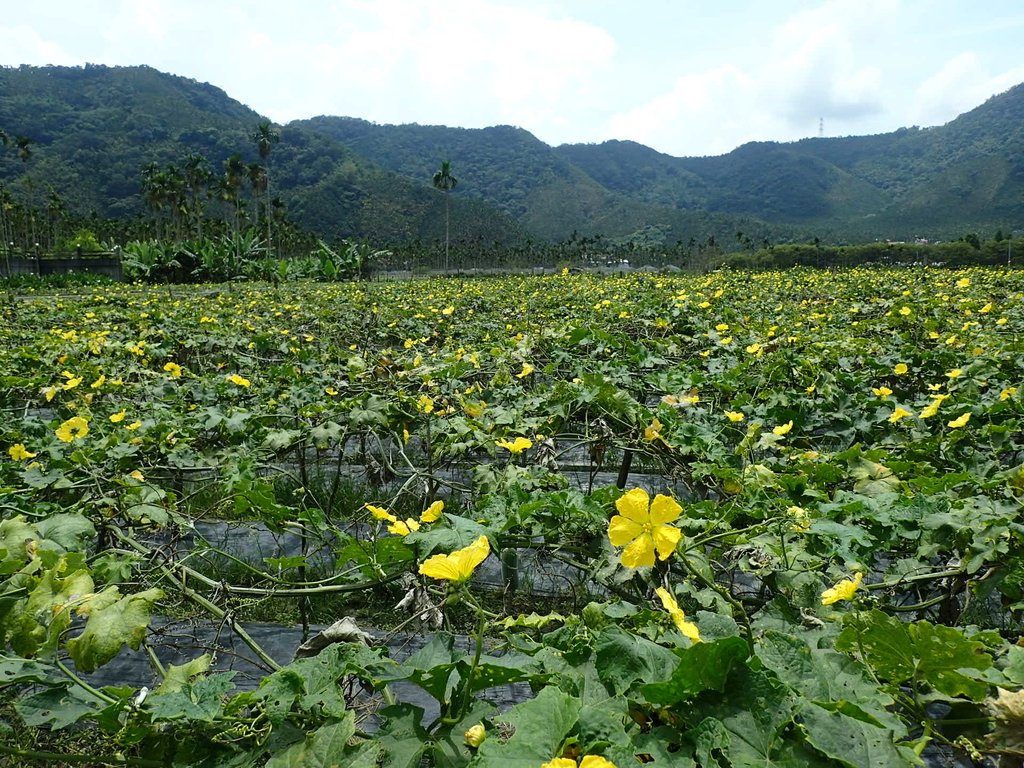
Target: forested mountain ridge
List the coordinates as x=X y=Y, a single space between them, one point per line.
x=93 y=129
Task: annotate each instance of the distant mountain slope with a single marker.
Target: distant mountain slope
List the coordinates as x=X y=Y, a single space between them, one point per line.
x=93 y=129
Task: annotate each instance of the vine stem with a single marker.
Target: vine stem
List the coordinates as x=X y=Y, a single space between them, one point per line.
x=59 y=758
x=737 y=606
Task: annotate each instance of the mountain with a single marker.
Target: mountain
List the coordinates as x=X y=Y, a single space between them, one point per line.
x=94 y=128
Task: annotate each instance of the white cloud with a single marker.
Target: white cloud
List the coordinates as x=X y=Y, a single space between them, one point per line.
x=960 y=85
x=816 y=65
x=22 y=44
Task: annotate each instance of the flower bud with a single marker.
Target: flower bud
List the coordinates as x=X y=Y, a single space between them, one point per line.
x=475 y=736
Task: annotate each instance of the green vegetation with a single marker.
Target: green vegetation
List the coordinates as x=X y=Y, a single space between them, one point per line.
x=808 y=553
x=101 y=146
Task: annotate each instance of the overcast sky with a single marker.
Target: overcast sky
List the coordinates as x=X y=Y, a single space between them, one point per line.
x=687 y=77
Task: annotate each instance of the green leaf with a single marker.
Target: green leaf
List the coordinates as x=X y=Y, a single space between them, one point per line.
x=57 y=707
x=872 y=479
x=539 y=727
x=702 y=667
x=67 y=530
x=402 y=736
x=177 y=675
x=852 y=742
x=112 y=626
x=323 y=748
x=201 y=700
x=754 y=710
x=938 y=655
x=624 y=659
x=827 y=677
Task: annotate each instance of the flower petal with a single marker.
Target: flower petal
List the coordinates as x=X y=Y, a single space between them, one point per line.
x=622 y=530
x=640 y=552
x=664 y=509
x=433 y=512
x=634 y=505
x=665 y=540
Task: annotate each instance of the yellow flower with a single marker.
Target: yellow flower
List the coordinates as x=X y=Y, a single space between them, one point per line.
x=801 y=519
x=688 y=628
x=135 y=474
x=118 y=417
x=963 y=282
x=960 y=421
x=73 y=429
x=381 y=513
x=956 y=373
x=133 y=426
x=175 y=370
x=72 y=383
x=1007 y=393
x=239 y=381
x=330 y=391
x=475 y=736
x=433 y=512
x=734 y=416
x=754 y=349
x=882 y=392
x=899 y=413
x=518 y=445
x=99 y=382
x=842 y=591
x=560 y=762
x=448 y=310
x=403 y=527
x=930 y=410
x=425 y=404
x=905 y=311
x=642 y=527
x=459 y=565
x=527 y=370
x=900 y=369
x=19 y=452
x=653 y=432
x=783 y=429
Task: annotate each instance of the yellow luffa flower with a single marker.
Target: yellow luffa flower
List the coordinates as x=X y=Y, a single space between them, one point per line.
x=73 y=429
x=239 y=381
x=475 y=736
x=425 y=404
x=900 y=369
x=844 y=590
x=589 y=761
x=175 y=370
x=734 y=416
x=899 y=413
x=459 y=565
x=527 y=370
x=783 y=429
x=1007 y=393
x=518 y=445
x=688 y=628
x=19 y=452
x=960 y=421
x=407 y=526
x=653 y=432
x=642 y=527
x=117 y=418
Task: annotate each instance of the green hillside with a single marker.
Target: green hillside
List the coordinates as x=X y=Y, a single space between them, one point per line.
x=93 y=129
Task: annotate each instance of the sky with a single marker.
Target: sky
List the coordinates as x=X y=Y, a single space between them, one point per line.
x=686 y=77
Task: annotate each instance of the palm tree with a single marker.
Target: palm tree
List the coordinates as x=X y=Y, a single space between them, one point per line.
x=24 y=145
x=444 y=181
x=231 y=185
x=265 y=136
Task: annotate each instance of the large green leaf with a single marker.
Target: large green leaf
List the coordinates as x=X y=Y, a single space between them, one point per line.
x=702 y=667
x=850 y=741
x=624 y=659
x=538 y=728
x=112 y=626
x=938 y=655
x=325 y=747
x=754 y=711
x=827 y=677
